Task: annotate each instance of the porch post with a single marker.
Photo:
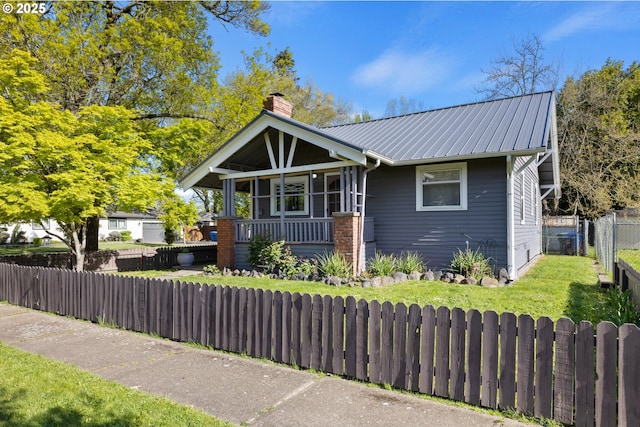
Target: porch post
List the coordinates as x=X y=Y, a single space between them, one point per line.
x=346 y=234
x=226 y=242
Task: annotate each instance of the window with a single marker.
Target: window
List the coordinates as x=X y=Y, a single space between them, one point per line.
x=332 y=189
x=441 y=187
x=296 y=196
x=522 y=200
x=117 y=223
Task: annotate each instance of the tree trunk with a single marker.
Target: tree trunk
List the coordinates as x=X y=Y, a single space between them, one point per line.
x=93 y=225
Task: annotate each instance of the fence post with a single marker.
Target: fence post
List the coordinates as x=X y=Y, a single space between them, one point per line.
x=614 y=237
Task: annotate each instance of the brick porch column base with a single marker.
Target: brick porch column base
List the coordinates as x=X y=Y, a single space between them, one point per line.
x=346 y=235
x=226 y=242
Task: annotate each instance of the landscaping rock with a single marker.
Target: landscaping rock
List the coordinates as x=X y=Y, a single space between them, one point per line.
x=414 y=276
x=386 y=281
x=458 y=278
x=376 y=282
x=437 y=275
x=334 y=281
x=470 y=281
x=399 y=276
x=366 y=284
x=447 y=277
x=246 y=273
x=226 y=272
x=236 y=272
x=429 y=275
x=489 y=282
x=503 y=275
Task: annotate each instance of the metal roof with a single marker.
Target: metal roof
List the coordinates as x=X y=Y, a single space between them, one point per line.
x=511 y=125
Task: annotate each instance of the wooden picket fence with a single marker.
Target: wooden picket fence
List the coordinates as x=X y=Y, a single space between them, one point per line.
x=574 y=374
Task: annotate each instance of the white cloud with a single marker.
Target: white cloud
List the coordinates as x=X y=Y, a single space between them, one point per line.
x=603 y=16
x=405 y=72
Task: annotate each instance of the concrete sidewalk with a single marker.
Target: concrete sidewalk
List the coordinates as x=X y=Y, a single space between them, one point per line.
x=233 y=388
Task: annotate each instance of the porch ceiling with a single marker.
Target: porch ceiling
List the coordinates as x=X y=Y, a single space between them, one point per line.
x=272 y=144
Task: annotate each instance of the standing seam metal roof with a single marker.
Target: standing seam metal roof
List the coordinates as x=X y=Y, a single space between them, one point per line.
x=490 y=127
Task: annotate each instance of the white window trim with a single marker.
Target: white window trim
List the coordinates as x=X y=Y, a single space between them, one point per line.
x=117 y=220
x=462 y=167
x=290 y=180
x=523 y=207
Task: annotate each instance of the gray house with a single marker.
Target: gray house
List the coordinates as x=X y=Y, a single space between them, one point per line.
x=472 y=176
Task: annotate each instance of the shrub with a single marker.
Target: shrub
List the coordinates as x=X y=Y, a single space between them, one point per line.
x=18 y=235
x=37 y=241
x=334 y=264
x=257 y=243
x=382 y=265
x=623 y=308
x=126 y=236
x=115 y=236
x=471 y=263
x=409 y=262
x=169 y=236
x=4 y=236
x=210 y=270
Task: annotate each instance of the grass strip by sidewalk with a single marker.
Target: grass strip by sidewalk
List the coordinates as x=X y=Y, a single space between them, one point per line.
x=36 y=391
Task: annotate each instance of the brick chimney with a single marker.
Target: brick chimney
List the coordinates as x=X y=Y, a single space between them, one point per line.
x=276 y=103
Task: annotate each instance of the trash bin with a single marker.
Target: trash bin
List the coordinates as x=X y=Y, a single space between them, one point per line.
x=213 y=235
x=570 y=243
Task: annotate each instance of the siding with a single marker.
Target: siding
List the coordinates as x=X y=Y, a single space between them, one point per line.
x=438 y=235
x=527 y=233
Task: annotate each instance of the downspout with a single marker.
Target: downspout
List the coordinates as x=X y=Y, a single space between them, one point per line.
x=511 y=250
x=360 y=267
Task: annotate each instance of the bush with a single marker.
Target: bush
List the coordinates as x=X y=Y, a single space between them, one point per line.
x=382 y=265
x=37 y=241
x=4 y=236
x=471 y=263
x=623 y=308
x=257 y=244
x=169 y=236
x=210 y=270
x=335 y=264
x=126 y=236
x=114 y=236
x=409 y=262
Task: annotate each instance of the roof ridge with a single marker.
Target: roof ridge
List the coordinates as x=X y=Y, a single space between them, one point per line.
x=468 y=104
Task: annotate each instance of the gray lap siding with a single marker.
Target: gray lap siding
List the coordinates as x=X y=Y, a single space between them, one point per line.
x=527 y=215
x=437 y=235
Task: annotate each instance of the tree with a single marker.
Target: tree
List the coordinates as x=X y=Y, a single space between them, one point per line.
x=402 y=106
x=242 y=97
x=520 y=73
x=599 y=140
x=67 y=166
x=154 y=59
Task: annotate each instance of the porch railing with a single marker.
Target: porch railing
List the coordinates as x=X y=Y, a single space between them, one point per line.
x=303 y=230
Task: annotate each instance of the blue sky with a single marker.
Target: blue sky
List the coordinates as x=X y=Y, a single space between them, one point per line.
x=369 y=52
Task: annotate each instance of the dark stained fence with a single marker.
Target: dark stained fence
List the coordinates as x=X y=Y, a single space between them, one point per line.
x=120 y=260
x=575 y=374
x=627 y=277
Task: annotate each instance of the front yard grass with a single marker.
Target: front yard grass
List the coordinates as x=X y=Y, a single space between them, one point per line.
x=35 y=391
x=557 y=286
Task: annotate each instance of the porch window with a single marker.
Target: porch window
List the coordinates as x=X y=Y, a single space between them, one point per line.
x=441 y=187
x=332 y=195
x=117 y=223
x=296 y=196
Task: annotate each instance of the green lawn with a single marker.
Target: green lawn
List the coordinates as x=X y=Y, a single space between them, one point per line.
x=558 y=286
x=632 y=257
x=35 y=391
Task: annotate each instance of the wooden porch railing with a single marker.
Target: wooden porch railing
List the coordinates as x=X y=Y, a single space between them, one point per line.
x=302 y=230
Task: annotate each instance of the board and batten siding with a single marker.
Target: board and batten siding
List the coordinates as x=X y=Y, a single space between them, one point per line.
x=437 y=235
x=527 y=215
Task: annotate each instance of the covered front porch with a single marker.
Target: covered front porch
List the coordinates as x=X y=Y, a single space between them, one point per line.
x=298 y=186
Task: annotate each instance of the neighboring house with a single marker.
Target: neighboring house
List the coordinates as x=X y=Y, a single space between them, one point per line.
x=142 y=226
x=472 y=176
